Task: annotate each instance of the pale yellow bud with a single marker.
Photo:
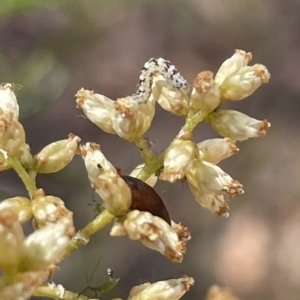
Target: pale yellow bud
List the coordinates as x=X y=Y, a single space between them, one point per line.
x=220 y=293
x=238 y=60
x=4 y=165
x=215 y=150
x=150 y=181
x=131 y=118
x=178 y=159
x=26 y=158
x=153 y=232
x=172 y=289
x=244 y=82
x=49 y=209
x=57 y=155
x=11 y=239
x=8 y=101
x=45 y=246
x=19 y=205
x=206 y=93
x=97 y=108
x=12 y=135
x=211 y=186
x=170 y=98
x=23 y=285
x=109 y=185
x=236 y=125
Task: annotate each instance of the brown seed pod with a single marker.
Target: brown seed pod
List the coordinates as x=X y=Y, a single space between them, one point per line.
x=144 y=198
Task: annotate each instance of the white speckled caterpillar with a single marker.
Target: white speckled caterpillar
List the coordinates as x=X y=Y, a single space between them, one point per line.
x=162 y=67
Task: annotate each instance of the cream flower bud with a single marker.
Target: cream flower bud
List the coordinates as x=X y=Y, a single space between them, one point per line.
x=236 y=125
x=132 y=118
x=171 y=289
x=238 y=60
x=19 y=205
x=150 y=181
x=170 y=98
x=219 y=293
x=49 y=209
x=215 y=150
x=206 y=93
x=209 y=184
x=8 y=101
x=45 y=246
x=154 y=233
x=55 y=156
x=97 y=108
x=106 y=180
x=23 y=285
x=12 y=135
x=11 y=239
x=244 y=82
x=178 y=159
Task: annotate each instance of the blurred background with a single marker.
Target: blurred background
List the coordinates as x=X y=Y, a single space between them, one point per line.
x=53 y=48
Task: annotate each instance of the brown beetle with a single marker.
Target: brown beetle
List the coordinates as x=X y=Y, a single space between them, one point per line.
x=144 y=198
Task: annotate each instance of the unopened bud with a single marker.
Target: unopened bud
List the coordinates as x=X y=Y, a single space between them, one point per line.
x=131 y=118
x=49 y=209
x=170 y=98
x=206 y=93
x=215 y=150
x=236 y=125
x=178 y=159
x=11 y=239
x=172 y=289
x=45 y=246
x=12 y=136
x=19 y=205
x=8 y=102
x=57 y=155
x=109 y=185
x=97 y=108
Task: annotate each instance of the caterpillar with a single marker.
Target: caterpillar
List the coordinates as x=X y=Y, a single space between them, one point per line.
x=157 y=66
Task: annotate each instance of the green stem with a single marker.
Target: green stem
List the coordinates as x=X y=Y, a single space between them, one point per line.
x=84 y=235
x=54 y=292
x=193 y=120
x=28 y=181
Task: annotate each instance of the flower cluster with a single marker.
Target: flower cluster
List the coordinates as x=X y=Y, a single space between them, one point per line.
x=160 y=82
x=139 y=211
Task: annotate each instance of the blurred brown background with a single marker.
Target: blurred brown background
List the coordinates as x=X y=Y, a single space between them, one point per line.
x=53 y=48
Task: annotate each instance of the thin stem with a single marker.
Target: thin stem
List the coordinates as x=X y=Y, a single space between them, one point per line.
x=84 y=235
x=28 y=181
x=193 y=120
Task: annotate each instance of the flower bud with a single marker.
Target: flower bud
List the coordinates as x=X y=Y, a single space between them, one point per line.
x=206 y=93
x=172 y=289
x=170 y=98
x=215 y=150
x=19 y=205
x=244 y=82
x=106 y=180
x=238 y=60
x=11 y=239
x=4 y=165
x=55 y=156
x=236 y=125
x=8 y=101
x=12 y=135
x=49 y=209
x=209 y=184
x=97 y=108
x=178 y=159
x=154 y=233
x=23 y=285
x=132 y=118
x=45 y=246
